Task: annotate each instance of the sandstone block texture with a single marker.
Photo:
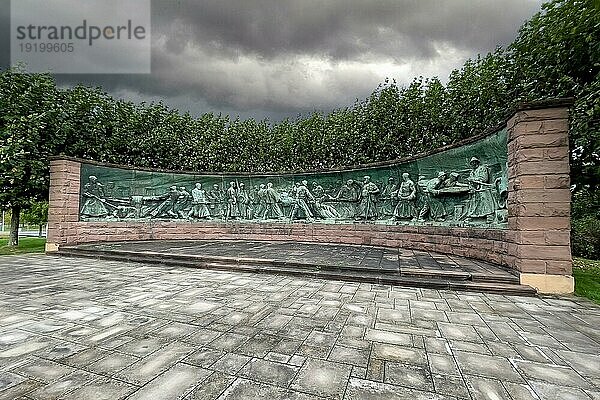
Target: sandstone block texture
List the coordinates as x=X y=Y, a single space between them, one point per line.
x=539 y=197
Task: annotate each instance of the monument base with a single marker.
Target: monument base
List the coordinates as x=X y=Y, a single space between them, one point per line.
x=545 y=283
x=51 y=247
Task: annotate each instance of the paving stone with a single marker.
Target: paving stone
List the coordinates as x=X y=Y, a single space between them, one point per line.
x=200 y=307
x=102 y=389
x=202 y=336
x=174 y=331
x=349 y=355
x=228 y=341
x=320 y=339
x=407 y=355
x=393 y=316
x=542 y=339
x=277 y=357
x=594 y=394
x=297 y=360
x=154 y=364
x=259 y=345
x=547 y=391
x=502 y=349
x=243 y=389
x=411 y=376
x=112 y=364
x=487 y=366
x=230 y=363
x=406 y=328
x=361 y=320
x=204 y=357
x=172 y=384
x=8 y=379
x=62 y=386
x=388 y=337
x=322 y=378
x=531 y=353
x=451 y=386
x=352 y=331
x=458 y=332
x=442 y=364
x=14 y=336
x=43 y=370
x=212 y=387
x=555 y=374
x=22 y=349
x=464 y=318
x=85 y=357
x=437 y=345
x=358 y=372
x=273 y=373
x=360 y=389
x=142 y=347
x=486 y=389
x=19 y=390
x=471 y=347
x=428 y=315
x=584 y=363
x=520 y=391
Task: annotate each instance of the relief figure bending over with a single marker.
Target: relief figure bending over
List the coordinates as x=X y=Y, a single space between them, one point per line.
x=432 y=206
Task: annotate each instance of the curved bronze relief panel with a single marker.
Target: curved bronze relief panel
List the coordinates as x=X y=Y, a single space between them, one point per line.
x=461 y=186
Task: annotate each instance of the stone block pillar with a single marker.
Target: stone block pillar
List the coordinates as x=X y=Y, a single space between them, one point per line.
x=63 y=210
x=539 y=199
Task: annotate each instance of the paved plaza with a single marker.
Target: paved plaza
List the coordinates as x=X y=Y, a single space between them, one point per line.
x=74 y=328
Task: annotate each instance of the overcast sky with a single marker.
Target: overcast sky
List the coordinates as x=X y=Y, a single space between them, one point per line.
x=277 y=58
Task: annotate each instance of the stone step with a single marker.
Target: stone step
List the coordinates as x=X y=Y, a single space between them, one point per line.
x=460 y=275
x=445 y=280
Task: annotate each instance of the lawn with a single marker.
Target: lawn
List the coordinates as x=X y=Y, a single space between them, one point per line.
x=587 y=278
x=26 y=245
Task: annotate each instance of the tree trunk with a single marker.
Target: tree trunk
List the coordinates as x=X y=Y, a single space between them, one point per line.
x=13 y=239
x=40 y=231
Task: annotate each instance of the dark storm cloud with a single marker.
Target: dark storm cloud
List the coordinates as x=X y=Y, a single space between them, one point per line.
x=276 y=58
x=342 y=28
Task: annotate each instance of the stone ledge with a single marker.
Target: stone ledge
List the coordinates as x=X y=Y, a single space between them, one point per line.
x=549 y=284
x=51 y=247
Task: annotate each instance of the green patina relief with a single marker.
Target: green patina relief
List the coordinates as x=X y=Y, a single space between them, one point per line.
x=463 y=186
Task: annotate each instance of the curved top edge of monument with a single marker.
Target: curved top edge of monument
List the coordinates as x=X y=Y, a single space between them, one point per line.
x=540 y=104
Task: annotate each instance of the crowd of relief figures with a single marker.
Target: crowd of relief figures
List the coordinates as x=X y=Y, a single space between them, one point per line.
x=468 y=197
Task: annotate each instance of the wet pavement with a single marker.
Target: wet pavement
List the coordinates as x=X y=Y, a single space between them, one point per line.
x=81 y=329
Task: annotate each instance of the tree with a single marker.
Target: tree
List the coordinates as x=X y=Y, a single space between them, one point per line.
x=557 y=54
x=27 y=125
x=36 y=214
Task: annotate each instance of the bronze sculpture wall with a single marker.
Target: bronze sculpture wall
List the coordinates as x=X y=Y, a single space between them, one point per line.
x=123 y=203
x=461 y=186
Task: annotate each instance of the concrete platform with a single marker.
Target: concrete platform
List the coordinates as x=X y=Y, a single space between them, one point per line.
x=82 y=329
x=318 y=260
